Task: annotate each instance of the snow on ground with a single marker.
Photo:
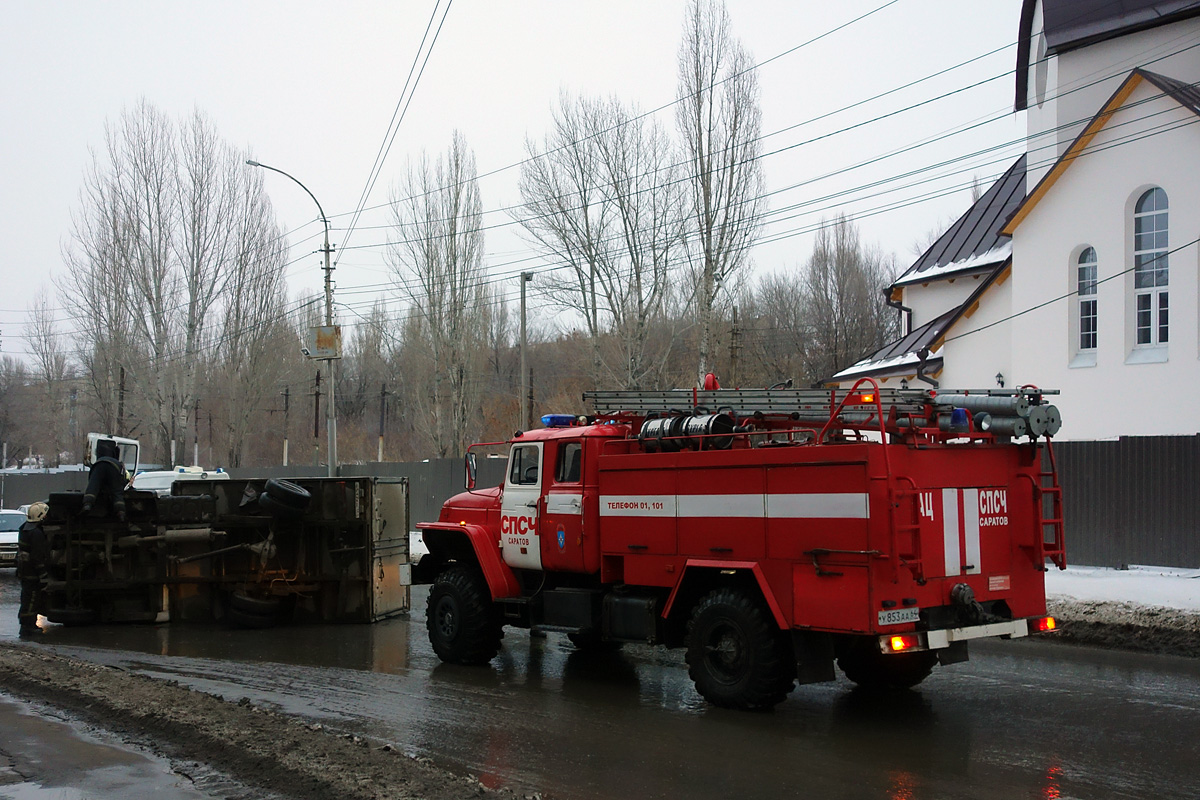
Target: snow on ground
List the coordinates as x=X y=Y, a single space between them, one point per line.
x=1168 y=587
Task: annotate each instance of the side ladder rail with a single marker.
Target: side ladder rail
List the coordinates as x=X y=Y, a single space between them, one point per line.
x=812 y=403
x=911 y=525
x=1048 y=485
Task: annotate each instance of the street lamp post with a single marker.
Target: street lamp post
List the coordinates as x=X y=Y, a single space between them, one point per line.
x=331 y=408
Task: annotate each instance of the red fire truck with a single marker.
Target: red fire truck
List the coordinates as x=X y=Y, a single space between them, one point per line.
x=770 y=532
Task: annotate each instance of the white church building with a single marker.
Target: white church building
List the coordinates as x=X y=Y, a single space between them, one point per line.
x=1078 y=269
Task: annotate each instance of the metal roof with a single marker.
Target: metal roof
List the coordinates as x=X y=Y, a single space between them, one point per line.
x=976 y=233
x=902 y=356
x=1186 y=94
x=1070 y=24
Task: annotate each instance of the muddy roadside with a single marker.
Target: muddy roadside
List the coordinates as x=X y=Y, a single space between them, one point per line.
x=289 y=757
x=1126 y=626
x=280 y=754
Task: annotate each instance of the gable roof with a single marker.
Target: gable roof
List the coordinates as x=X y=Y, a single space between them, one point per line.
x=902 y=356
x=1071 y=24
x=1185 y=94
x=973 y=244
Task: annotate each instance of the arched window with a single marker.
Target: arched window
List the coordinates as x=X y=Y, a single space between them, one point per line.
x=1150 y=267
x=1086 y=287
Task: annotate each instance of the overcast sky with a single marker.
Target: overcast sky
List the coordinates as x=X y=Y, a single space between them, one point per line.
x=310 y=88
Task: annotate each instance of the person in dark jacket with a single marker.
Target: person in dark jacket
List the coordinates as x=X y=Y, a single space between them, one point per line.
x=106 y=480
x=33 y=553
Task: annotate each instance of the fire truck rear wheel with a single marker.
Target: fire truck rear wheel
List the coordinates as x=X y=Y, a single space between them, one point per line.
x=736 y=655
x=464 y=626
x=865 y=665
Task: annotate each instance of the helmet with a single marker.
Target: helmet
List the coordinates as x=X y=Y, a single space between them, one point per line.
x=37 y=512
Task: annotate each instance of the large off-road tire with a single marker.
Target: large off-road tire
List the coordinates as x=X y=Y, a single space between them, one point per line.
x=277 y=509
x=464 y=625
x=866 y=665
x=736 y=655
x=288 y=493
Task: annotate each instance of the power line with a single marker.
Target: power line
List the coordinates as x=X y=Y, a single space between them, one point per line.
x=394 y=127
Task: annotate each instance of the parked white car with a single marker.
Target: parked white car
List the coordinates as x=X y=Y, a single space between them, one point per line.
x=159 y=481
x=10 y=524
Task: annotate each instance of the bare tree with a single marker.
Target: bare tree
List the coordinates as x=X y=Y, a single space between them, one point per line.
x=95 y=293
x=843 y=301
x=720 y=121
x=250 y=330
x=565 y=212
x=170 y=232
x=437 y=258
x=52 y=367
x=776 y=328
x=605 y=200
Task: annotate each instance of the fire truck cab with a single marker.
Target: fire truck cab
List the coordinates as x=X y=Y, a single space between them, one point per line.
x=771 y=533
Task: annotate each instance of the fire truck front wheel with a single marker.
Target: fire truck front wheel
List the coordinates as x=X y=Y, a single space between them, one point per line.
x=464 y=626
x=736 y=656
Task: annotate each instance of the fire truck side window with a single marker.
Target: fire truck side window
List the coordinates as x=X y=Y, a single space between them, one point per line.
x=523 y=469
x=570 y=458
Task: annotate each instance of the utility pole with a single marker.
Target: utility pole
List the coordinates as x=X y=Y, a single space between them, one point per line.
x=121 y=406
x=331 y=409
x=382 y=419
x=196 y=434
x=526 y=422
x=317 y=421
x=735 y=345
x=286 y=398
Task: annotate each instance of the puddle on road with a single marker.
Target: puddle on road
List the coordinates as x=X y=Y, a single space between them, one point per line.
x=1018 y=720
x=43 y=756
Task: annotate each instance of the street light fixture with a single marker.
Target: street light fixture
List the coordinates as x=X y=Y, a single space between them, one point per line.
x=331 y=409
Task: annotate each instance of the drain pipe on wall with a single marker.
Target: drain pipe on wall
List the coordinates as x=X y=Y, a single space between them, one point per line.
x=906 y=327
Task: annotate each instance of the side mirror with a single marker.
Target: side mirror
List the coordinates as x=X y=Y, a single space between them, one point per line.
x=471 y=470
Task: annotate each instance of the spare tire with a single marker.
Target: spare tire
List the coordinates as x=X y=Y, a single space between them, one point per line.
x=275 y=508
x=289 y=494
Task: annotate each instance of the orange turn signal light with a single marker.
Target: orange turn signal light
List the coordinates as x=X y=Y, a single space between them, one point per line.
x=1044 y=624
x=899 y=644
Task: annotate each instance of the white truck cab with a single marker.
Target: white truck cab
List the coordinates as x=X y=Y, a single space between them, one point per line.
x=127 y=447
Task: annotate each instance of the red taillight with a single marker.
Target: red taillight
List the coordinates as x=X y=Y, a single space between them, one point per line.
x=899 y=644
x=1044 y=624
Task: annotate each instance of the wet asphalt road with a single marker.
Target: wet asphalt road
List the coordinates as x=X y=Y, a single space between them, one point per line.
x=1020 y=720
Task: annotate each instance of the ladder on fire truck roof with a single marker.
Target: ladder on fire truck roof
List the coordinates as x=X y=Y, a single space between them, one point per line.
x=747 y=402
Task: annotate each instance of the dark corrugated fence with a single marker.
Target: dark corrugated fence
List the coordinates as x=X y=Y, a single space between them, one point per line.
x=1135 y=500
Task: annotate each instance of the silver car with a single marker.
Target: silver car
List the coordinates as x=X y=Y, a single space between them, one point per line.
x=10 y=523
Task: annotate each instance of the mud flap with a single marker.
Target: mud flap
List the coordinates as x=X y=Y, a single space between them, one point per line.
x=814 y=656
x=954 y=654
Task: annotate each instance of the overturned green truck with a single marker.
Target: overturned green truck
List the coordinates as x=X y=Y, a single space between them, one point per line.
x=251 y=553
